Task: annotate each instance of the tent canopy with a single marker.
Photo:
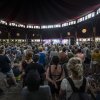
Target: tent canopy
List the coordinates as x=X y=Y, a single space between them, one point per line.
x=40 y=12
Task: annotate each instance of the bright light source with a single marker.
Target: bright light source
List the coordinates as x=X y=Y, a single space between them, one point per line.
x=22 y=40
x=93 y=14
x=69 y=23
x=86 y=17
x=64 y=24
x=37 y=40
x=29 y=26
x=98 y=11
x=50 y=26
x=36 y=27
x=44 y=26
x=97 y=39
x=84 y=30
x=75 y=22
x=90 y=15
x=57 y=25
x=3 y=22
x=12 y=24
x=33 y=35
x=18 y=34
x=68 y=33
x=32 y=40
x=80 y=19
x=84 y=40
x=21 y=25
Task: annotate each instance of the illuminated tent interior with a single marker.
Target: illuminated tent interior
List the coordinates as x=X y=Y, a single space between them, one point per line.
x=48 y=13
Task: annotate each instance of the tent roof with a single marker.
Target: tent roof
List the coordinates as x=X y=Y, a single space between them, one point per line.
x=44 y=11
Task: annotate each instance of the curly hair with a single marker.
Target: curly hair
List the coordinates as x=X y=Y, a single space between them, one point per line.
x=75 y=66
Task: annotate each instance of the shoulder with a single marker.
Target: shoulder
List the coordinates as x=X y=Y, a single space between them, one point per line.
x=64 y=80
x=24 y=91
x=65 y=84
x=45 y=89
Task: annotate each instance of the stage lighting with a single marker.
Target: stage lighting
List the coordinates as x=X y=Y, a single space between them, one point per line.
x=29 y=26
x=3 y=22
x=80 y=19
x=98 y=11
x=50 y=26
x=64 y=24
x=57 y=25
x=21 y=25
x=90 y=15
x=12 y=24
x=36 y=27
x=44 y=27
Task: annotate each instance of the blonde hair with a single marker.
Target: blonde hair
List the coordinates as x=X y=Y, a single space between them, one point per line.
x=75 y=66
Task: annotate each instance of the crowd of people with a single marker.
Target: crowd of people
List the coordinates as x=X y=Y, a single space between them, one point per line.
x=52 y=71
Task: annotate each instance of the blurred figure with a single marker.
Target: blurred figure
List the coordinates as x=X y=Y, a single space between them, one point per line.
x=33 y=89
x=42 y=57
x=63 y=56
x=80 y=55
x=54 y=75
x=76 y=78
x=96 y=61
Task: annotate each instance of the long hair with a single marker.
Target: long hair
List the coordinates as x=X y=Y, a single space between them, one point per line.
x=55 y=61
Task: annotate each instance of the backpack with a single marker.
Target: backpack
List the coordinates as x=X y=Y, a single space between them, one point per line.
x=79 y=94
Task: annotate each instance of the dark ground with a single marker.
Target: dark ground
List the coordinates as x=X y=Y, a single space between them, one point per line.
x=13 y=93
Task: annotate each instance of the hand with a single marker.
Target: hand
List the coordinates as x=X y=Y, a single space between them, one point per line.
x=56 y=86
x=54 y=83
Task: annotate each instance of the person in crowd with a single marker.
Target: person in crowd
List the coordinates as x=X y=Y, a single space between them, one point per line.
x=36 y=66
x=17 y=70
x=5 y=66
x=70 y=55
x=53 y=52
x=33 y=89
x=87 y=53
x=42 y=57
x=75 y=69
x=54 y=75
x=28 y=59
x=80 y=55
x=63 y=56
x=96 y=61
x=18 y=54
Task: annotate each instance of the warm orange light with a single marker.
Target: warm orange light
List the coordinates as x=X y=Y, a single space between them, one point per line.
x=84 y=30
